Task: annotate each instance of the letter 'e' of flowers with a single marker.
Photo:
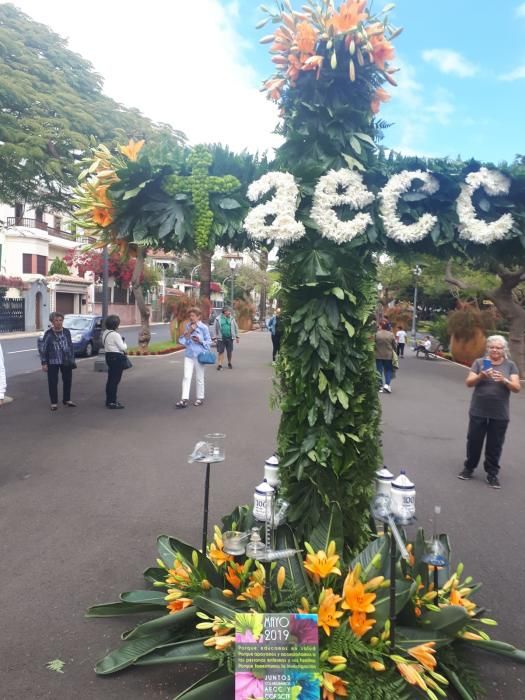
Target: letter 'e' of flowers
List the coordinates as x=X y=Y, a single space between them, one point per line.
x=327 y=196
x=400 y=184
x=470 y=226
x=283 y=205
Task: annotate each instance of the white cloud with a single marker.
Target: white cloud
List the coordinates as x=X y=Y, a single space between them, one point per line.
x=516 y=74
x=448 y=61
x=520 y=10
x=178 y=62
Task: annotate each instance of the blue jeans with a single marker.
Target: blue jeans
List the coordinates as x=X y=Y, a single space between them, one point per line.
x=384 y=367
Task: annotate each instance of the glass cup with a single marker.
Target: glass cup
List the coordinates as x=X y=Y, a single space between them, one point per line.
x=215 y=446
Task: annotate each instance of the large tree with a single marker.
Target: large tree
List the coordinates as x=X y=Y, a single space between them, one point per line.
x=51 y=104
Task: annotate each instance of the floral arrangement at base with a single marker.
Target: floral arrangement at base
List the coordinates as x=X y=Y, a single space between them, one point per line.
x=194 y=598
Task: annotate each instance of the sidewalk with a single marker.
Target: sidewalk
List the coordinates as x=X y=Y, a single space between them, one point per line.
x=84 y=492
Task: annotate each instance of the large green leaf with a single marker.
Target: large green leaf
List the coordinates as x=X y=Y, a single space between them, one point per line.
x=329 y=529
x=169 y=547
x=496 y=647
x=375 y=547
x=240 y=519
x=214 y=603
x=154 y=573
x=447 y=621
x=144 y=639
x=404 y=591
x=149 y=597
x=218 y=683
x=296 y=576
x=120 y=608
x=407 y=637
x=187 y=651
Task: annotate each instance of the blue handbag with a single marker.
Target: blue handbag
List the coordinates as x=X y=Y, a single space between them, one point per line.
x=207 y=357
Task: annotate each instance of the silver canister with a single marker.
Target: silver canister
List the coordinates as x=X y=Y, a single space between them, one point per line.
x=403 y=499
x=263 y=501
x=271 y=471
x=384 y=478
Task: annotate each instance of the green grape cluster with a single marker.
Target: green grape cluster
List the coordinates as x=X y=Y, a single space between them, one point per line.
x=199 y=184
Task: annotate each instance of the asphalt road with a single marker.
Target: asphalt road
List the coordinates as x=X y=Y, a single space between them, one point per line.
x=21 y=355
x=84 y=492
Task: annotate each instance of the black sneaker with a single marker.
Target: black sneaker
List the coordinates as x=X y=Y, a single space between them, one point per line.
x=219 y=367
x=493 y=482
x=230 y=366
x=114 y=406
x=465 y=475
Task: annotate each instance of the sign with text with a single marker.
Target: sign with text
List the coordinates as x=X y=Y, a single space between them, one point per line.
x=276 y=656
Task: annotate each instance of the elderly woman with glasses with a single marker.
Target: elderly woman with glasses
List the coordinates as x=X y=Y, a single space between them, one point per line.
x=493 y=378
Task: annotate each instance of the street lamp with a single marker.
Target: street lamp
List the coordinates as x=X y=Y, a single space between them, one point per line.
x=416 y=272
x=191 y=278
x=233 y=265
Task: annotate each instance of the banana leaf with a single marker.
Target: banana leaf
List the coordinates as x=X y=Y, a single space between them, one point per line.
x=154 y=573
x=241 y=517
x=144 y=639
x=454 y=680
x=448 y=621
x=187 y=651
x=169 y=547
x=407 y=637
x=212 y=685
x=329 y=529
x=214 y=603
x=497 y=647
x=404 y=591
x=378 y=546
x=296 y=576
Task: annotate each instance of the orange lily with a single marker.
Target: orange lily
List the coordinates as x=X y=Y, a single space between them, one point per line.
x=382 y=50
x=360 y=623
x=377 y=666
x=232 y=575
x=424 y=654
x=179 y=575
x=314 y=63
x=322 y=564
x=456 y=598
x=178 y=605
x=254 y=592
x=132 y=150
x=379 y=96
x=349 y=15
x=102 y=217
x=357 y=599
x=306 y=38
x=328 y=615
x=412 y=674
x=332 y=686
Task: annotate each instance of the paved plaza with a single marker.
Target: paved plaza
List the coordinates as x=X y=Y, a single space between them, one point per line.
x=84 y=492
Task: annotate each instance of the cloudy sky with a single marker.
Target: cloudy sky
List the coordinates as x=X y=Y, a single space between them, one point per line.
x=197 y=64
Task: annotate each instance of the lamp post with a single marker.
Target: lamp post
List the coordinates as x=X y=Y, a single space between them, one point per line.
x=191 y=278
x=416 y=272
x=233 y=265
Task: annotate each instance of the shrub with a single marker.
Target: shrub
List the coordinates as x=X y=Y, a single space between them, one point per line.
x=464 y=322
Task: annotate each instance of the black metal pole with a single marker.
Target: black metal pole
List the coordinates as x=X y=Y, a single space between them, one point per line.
x=393 y=561
x=436 y=581
x=267 y=592
x=205 y=516
x=105 y=280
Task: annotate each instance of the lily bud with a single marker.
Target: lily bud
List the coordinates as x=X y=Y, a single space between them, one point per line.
x=195 y=558
x=205 y=585
x=339 y=667
x=161 y=564
x=336 y=660
x=333 y=60
x=281 y=576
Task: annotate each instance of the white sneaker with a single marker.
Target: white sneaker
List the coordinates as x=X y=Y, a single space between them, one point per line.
x=387 y=388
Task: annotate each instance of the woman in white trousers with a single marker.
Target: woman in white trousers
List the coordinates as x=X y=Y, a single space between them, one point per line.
x=196 y=339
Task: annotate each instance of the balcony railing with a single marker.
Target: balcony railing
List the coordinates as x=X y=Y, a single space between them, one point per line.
x=42 y=226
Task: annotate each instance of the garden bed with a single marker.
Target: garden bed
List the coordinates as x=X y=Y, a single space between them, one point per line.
x=164 y=348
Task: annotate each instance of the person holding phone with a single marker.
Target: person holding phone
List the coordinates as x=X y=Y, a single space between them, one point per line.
x=493 y=378
x=196 y=339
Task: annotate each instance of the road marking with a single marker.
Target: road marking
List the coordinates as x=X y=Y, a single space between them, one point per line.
x=13 y=352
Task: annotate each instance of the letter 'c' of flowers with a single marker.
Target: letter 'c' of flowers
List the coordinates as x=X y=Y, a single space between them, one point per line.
x=398 y=185
x=472 y=228
x=327 y=196
x=283 y=205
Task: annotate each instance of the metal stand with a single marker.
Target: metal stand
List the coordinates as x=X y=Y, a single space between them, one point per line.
x=205 y=513
x=393 y=561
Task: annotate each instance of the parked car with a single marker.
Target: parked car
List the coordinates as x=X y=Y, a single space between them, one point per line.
x=86 y=333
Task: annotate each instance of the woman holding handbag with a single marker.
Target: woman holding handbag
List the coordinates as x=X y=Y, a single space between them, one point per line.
x=58 y=355
x=196 y=339
x=116 y=360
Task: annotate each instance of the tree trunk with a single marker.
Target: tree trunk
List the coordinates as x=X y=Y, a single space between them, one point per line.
x=263 y=265
x=515 y=313
x=136 y=284
x=205 y=277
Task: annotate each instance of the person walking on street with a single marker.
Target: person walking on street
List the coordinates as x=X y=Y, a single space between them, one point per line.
x=401 y=338
x=3 y=383
x=493 y=378
x=196 y=339
x=115 y=349
x=226 y=329
x=385 y=345
x=275 y=328
x=57 y=355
